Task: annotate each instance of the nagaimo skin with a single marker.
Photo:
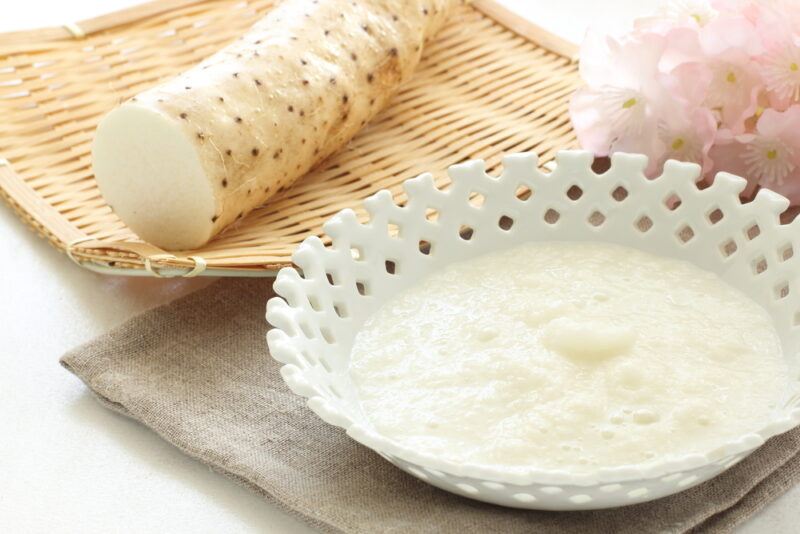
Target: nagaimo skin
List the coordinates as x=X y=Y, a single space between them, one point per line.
x=183 y=160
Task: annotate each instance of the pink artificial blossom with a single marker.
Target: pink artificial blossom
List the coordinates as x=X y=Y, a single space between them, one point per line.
x=717 y=83
x=728 y=45
x=769 y=157
x=773 y=151
x=780 y=69
x=780 y=62
x=614 y=111
x=727 y=156
x=733 y=92
x=677 y=14
x=687 y=136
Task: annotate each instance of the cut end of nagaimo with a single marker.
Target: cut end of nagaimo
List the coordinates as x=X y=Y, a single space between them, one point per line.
x=150 y=173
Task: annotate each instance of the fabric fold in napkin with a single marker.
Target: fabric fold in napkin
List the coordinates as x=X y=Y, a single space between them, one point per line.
x=197 y=371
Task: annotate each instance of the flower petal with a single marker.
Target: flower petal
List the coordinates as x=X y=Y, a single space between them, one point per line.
x=592 y=129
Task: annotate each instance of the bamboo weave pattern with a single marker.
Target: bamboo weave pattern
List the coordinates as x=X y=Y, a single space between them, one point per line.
x=486 y=86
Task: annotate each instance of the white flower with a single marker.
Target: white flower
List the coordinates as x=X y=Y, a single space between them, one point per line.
x=683 y=11
x=625 y=109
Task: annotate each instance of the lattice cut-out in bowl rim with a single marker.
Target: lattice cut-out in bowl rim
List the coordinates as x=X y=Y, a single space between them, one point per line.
x=322 y=304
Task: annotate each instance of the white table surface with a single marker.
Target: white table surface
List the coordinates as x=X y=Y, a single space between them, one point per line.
x=68 y=465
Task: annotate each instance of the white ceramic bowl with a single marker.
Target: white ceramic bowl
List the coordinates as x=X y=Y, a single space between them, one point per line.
x=322 y=309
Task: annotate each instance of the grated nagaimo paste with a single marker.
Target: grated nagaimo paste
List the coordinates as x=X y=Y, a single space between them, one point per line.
x=568 y=355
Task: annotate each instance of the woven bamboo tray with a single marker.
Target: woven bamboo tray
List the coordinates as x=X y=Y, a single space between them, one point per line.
x=491 y=83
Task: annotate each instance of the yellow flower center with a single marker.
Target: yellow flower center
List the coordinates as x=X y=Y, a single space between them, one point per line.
x=731 y=77
x=759 y=111
x=697 y=18
x=772 y=154
x=629 y=103
x=794 y=67
x=678 y=143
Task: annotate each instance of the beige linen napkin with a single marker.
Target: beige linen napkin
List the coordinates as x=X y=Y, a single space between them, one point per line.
x=197 y=371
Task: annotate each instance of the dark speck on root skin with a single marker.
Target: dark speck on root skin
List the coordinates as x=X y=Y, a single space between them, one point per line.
x=305 y=82
x=214 y=218
x=276 y=154
x=220 y=99
x=235 y=74
x=353 y=56
x=291 y=109
x=393 y=52
x=303 y=62
x=370 y=77
x=183 y=115
x=332 y=81
x=229 y=152
x=254 y=152
x=327 y=32
x=302 y=113
x=258 y=82
x=224 y=182
x=201 y=136
x=238 y=120
x=345 y=98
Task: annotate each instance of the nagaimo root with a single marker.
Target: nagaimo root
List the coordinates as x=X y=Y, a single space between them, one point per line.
x=181 y=161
